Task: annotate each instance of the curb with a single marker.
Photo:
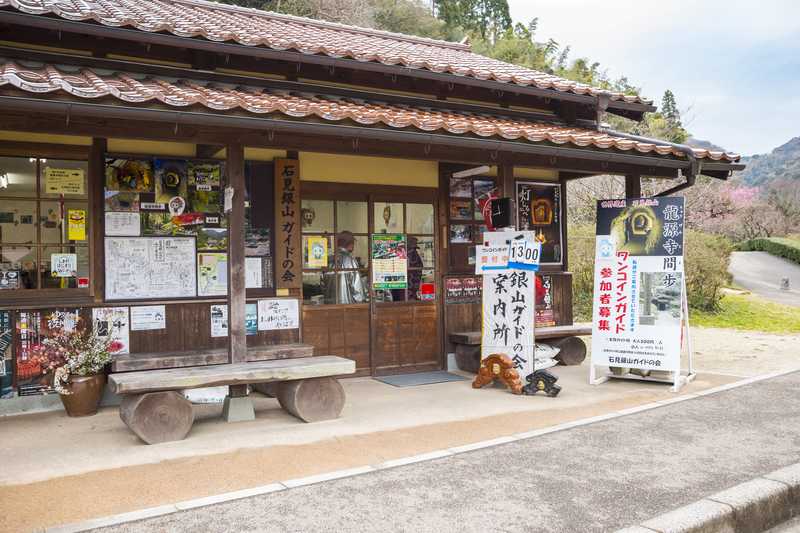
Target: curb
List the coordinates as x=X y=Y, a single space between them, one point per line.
x=164 y=510
x=750 y=507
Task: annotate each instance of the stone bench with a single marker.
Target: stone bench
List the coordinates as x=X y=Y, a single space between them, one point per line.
x=572 y=349
x=156 y=411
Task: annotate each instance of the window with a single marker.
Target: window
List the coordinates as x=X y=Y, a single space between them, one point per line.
x=466 y=197
x=415 y=224
x=44 y=224
x=335 y=251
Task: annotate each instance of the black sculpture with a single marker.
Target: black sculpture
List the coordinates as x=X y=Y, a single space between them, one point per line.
x=541 y=380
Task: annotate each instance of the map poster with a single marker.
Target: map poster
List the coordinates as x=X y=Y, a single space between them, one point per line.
x=148 y=317
x=113 y=323
x=276 y=313
x=638 y=284
x=389 y=261
x=64 y=181
x=212 y=274
x=150 y=267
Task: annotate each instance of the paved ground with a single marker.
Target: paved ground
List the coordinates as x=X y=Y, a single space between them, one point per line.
x=761 y=273
x=592 y=478
x=792 y=526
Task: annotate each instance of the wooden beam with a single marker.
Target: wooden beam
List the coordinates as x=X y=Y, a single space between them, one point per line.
x=505 y=178
x=633 y=186
x=97 y=173
x=237 y=334
x=207 y=151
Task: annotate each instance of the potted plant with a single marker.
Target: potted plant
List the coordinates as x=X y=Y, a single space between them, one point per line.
x=78 y=357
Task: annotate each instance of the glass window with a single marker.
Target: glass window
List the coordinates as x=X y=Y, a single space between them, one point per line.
x=420 y=218
x=44 y=224
x=352 y=216
x=18 y=176
x=388 y=217
x=317 y=216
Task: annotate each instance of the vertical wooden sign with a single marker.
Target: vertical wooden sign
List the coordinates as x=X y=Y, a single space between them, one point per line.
x=288 y=252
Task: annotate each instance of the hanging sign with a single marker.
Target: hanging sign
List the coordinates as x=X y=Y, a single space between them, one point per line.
x=112 y=322
x=63 y=265
x=76 y=224
x=64 y=180
x=389 y=261
x=638 y=284
x=288 y=248
x=491 y=258
x=278 y=314
x=148 y=317
x=523 y=254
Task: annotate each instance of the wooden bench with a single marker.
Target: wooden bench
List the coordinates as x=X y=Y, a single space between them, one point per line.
x=572 y=349
x=155 y=410
x=213 y=356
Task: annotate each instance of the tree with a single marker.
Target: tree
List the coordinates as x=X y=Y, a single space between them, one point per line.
x=487 y=18
x=669 y=110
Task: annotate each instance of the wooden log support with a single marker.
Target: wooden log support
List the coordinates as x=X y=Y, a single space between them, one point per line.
x=468 y=357
x=157 y=417
x=572 y=350
x=312 y=400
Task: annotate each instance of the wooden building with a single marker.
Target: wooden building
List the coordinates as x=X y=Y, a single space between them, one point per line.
x=123 y=123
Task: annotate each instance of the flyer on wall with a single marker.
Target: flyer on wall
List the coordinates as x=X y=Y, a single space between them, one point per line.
x=638 y=284
x=112 y=322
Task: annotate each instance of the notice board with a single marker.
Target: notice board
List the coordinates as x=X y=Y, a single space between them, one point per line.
x=150 y=267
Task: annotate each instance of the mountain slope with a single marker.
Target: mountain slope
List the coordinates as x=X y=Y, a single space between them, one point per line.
x=782 y=163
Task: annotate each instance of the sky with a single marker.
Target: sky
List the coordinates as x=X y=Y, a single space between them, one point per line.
x=733 y=65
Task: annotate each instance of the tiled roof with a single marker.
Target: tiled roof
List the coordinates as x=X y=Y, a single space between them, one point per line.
x=251 y=27
x=143 y=89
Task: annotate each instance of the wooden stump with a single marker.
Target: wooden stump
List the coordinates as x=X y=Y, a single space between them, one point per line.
x=269 y=389
x=157 y=417
x=312 y=400
x=572 y=350
x=468 y=357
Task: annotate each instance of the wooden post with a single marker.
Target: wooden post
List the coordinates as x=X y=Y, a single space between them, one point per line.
x=633 y=186
x=237 y=337
x=507 y=186
x=97 y=155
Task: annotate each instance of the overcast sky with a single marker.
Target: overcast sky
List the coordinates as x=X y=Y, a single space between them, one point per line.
x=735 y=63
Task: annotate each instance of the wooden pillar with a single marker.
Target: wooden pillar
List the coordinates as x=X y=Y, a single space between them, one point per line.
x=97 y=172
x=237 y=335
x=507 y=186
x=633 y=186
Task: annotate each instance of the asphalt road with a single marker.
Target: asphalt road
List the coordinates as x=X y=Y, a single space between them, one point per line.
x=599 y=477
x=761 y=273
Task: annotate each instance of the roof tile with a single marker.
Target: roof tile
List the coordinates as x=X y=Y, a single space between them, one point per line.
x=139 y=89
x=250 y=27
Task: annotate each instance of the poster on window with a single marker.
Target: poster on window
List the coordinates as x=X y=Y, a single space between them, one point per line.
x=389 y=261
x=638 y=291
x=509 y=309
x=64 y=180
x=113 y=323
x=278 y=314
x=63 y=265
x=76 y=224
x=212 y=274
x=539 y=211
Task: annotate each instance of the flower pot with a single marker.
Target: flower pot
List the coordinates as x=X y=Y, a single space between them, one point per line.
x=86 y=394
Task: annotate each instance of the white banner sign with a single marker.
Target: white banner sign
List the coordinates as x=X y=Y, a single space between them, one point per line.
x=278 y=314
x=148 y=317
x=638 y=284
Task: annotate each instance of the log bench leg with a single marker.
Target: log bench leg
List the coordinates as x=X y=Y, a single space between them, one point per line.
x=312 y=400
x=468 y=357
x=157 y=417
x=572 y=350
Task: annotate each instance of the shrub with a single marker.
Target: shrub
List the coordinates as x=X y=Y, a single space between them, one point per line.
x=786 y=248
x=706 y=260
x=706 y=266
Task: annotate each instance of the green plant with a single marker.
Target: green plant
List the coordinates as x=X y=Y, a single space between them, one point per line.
x=781 y=247
x=581 y=264
x=706 y=260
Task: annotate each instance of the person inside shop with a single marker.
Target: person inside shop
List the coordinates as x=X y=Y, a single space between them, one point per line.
x=351 y=286
x=415 y=263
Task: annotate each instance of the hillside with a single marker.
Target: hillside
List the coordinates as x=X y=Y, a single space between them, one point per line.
x=782 y=163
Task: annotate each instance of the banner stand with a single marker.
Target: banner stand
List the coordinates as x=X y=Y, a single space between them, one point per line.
x=679 y=378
